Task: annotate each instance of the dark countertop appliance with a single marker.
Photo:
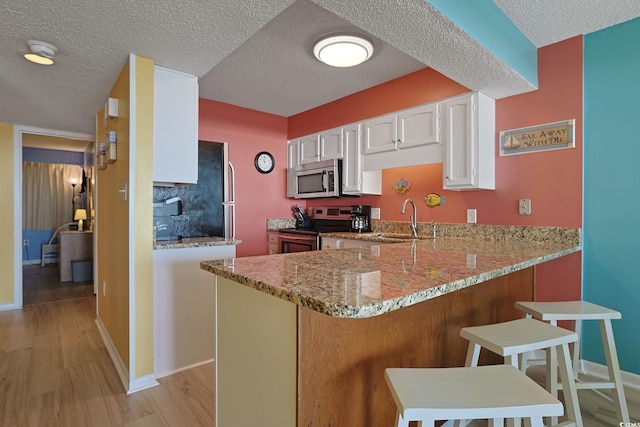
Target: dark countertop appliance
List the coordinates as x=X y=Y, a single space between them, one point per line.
x=324 y=220
x=162 y=213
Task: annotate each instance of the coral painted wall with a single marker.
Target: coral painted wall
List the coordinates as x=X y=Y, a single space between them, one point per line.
x=258 y=196
x=551 y=179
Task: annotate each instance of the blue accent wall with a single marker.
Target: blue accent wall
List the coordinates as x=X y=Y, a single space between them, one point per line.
x=487 y=23
x=611 y=178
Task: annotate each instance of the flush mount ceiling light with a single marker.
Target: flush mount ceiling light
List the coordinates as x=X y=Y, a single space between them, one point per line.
x=342 y=50
x=41 y=53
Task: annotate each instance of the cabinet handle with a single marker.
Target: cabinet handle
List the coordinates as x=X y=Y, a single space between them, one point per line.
x=399 y=141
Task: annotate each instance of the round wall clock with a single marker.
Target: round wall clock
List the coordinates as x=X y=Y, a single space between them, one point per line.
x=264 y=162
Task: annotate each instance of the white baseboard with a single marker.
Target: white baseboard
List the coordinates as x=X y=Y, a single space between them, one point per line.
x=123 y=372
x=629 y=379
x=142 y=383
x=134 y=386
x=184 y=368
x=7 y=307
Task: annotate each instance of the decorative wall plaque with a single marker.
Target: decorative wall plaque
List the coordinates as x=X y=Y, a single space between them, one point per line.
x=551 y=136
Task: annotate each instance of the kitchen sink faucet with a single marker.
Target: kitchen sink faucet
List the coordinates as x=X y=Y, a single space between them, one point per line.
x=412 y=218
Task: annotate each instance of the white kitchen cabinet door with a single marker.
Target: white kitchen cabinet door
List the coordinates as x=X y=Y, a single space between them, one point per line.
x=272 y=237
x=469 y=138
x=330 y=243
x=309 y=147
x=175 y=127
x=355 y=180
x=380 y=134
x=352 y=162
x=331 y=145
x=293 y=160
x=419 y=126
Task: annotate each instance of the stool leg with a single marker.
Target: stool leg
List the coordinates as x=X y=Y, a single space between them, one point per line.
x=496 y=422
x=552 y=377
x=473 y=354
x=400 y=421
x=569 y=385
x=611 y=355
x=576 y=347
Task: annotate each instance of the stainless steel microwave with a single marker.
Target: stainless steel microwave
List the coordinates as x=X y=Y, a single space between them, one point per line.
x=319 y=179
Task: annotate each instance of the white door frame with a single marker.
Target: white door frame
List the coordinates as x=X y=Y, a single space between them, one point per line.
x=18 y=131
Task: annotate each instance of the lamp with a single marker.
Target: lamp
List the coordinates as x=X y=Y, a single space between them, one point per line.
x=81 y=214
x=73 y=183
x=342 y=50
x=41 y=53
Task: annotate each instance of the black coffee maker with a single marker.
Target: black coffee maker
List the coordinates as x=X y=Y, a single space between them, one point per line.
x=360 y=219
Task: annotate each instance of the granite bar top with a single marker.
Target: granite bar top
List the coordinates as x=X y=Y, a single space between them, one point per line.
x=194 y=242
x=372 y=280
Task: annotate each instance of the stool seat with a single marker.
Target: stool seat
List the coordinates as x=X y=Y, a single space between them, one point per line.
x=567 y=310
x=486 y=392
x=576 y=312
x=517 y=337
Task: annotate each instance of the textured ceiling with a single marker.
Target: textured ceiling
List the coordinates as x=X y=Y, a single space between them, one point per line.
x=256 y=53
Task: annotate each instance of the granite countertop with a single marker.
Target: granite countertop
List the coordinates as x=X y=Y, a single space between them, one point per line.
x=372 y=280
x=194 y=242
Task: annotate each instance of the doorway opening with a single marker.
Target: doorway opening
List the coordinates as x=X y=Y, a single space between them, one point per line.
x=56 y=171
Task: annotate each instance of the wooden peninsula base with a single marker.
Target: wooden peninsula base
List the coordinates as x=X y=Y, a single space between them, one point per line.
x=282 y=365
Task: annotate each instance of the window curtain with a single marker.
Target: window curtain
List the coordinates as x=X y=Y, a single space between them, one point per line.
x=47 y=194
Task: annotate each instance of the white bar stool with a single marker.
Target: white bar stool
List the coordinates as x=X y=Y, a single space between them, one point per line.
x=514 y=338
x=487 y=392
x=577 y=311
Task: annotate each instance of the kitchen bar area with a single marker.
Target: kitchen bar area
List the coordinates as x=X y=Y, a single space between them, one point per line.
x=304 y=338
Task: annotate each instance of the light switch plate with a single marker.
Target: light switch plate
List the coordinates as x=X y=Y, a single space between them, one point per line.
x=472 y=216
x=524 y=207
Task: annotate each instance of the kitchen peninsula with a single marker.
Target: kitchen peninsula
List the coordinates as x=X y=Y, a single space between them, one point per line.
x=303 y=339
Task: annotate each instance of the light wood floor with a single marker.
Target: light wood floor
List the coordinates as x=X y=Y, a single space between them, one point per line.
x=55 y=371
x=42 y=284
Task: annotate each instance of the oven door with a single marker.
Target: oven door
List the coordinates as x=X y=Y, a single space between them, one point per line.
x=288 y=243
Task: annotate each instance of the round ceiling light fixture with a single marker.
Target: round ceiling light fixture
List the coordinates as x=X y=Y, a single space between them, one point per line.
x=342 y=50
x=41 y=53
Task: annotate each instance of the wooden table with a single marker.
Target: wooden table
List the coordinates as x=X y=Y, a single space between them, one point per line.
x=74 y=246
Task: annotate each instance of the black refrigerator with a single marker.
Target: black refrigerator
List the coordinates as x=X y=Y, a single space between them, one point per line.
x=208 y=207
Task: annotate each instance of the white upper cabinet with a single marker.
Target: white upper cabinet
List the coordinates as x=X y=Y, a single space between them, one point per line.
x=352 y=163
x=404 y=129
x=419 y=126
x=355 y=180
x=331 y=144
x=175 y=127
x=469 y=139
x=309 y=149
x=380 y=134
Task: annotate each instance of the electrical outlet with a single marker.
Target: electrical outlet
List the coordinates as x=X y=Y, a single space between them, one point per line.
x=524 y=207
x=472 y=216
x=25 y=242
x=375 y=213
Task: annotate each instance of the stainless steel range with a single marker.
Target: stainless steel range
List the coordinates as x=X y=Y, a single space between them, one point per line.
x=340 y=219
